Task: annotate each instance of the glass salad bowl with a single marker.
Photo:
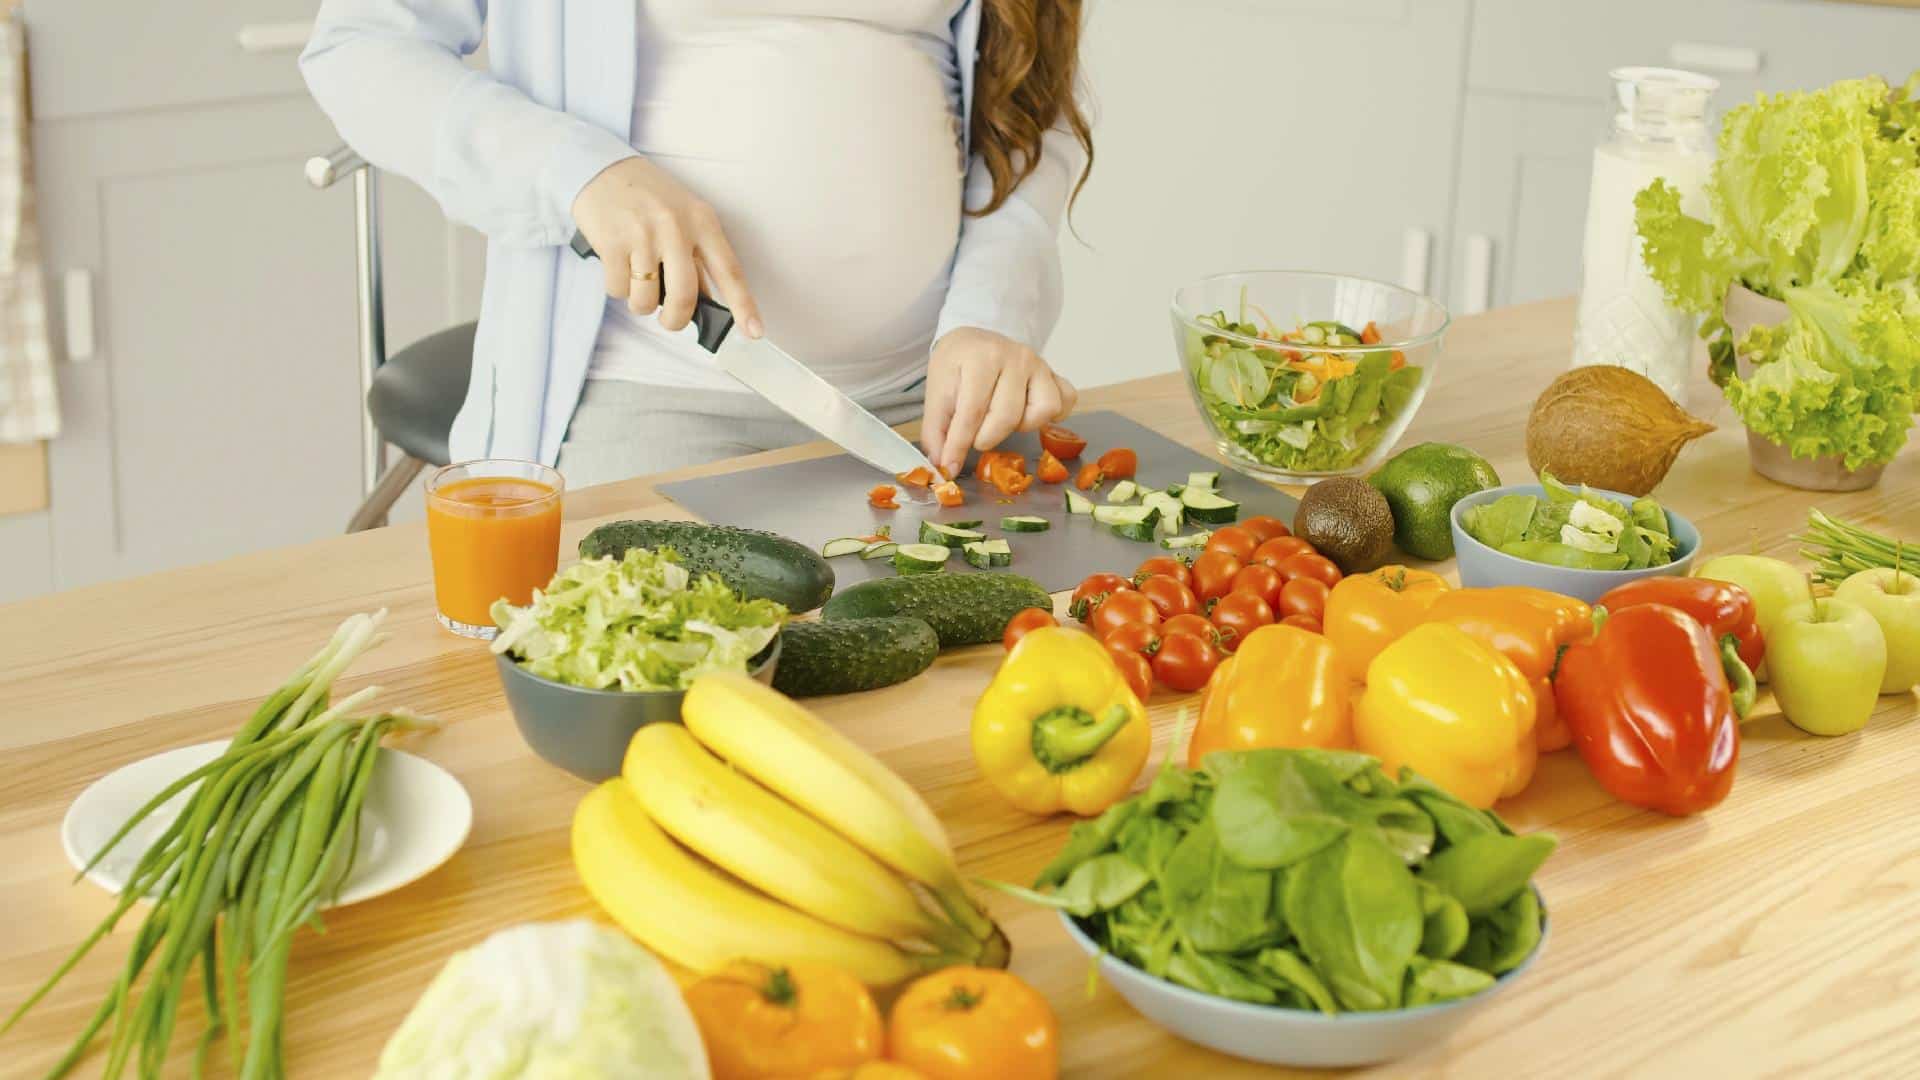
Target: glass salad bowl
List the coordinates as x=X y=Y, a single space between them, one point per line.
x=1300 y=375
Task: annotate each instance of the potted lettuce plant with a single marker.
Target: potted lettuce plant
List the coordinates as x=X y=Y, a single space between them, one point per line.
x=1807 y=276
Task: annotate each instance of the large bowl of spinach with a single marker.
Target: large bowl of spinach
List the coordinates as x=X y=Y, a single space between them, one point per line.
x=1301 y=907
x=1304 y=375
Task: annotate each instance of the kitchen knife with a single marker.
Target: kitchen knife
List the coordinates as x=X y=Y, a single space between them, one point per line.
x=790 y=385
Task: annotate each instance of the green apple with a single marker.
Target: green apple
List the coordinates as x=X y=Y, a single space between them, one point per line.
x=1774 y=585
x=1892 y=597
x=1828 y=657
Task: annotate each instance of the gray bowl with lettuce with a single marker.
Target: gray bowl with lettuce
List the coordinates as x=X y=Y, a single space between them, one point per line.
x=1580 y=543
x=611 y=644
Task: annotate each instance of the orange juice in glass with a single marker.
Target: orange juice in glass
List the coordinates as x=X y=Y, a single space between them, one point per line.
x=494 y=530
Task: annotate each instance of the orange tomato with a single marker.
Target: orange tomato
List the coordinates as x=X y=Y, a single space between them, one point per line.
x=1137 y=671
x=1367 y=612
x=1266 y=528
x=1050 y=469
x=1119 y=464
x=881 y=497
x=968 y=1023
x=1026 y=621
x=1060 y=442
x=792 y=1020
x=1235 y=541
x=1278 y=550
x=1090 y=476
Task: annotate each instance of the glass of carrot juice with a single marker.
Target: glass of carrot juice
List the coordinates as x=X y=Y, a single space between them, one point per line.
x=494 y=530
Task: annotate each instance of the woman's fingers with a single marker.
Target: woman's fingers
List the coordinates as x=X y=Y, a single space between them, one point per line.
x=682 y=279
x=615 y=266
x=943 y=387
x=643 y=280
x=1009 y=404
x=969 y=409
x=1069 y=396
x=729 y=278
x=1043 y=402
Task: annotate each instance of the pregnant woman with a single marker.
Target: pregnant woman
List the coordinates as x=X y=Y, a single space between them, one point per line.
x=875 y=184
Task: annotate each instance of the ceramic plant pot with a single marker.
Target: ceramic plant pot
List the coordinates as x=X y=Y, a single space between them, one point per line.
x=1745 y=309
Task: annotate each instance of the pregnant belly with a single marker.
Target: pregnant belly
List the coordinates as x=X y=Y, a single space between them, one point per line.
x=830 y=152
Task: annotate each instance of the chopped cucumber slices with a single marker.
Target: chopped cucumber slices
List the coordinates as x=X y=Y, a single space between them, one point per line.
x=1181 y=543
x=843 y=545
x=1025 y=523
x=1208 y=480
x=1206 y=507
x=1173 y=513
x=1125 y=515
x=987 y=554
x=974 y=524
x=921 y=558
x=879 y=549
x=953 y=536
x=1122 y=492
x=1078 y=503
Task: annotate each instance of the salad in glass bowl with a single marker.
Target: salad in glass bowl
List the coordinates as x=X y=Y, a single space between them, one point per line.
x=1302 y=376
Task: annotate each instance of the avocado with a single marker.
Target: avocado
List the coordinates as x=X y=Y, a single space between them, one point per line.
x=1421 y=484
x=1348 y=521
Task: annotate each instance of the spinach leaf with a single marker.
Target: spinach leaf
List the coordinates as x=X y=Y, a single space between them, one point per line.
x=1148 y=840
x=1502 y=941
x=1399 y=390
x=1087 y=839
x=1430 y=981
x=1455 y=820
x=1445 y=927
x=1484 y=872
x=1274 y=808
x=1355 y=910
x=1218 y=904
x=1405 y=827
x=1216 y=975
x=1101 y=883
x=1285 y=966
x=1237 y=377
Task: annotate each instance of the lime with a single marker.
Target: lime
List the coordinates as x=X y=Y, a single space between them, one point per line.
x=1421 y=484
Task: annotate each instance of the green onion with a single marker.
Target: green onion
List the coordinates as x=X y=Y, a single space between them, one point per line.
x=1840 y=550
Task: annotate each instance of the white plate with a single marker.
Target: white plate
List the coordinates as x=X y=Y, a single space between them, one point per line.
x=416 y=815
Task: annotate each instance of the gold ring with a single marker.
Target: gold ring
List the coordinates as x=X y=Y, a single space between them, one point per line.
x=648 y=276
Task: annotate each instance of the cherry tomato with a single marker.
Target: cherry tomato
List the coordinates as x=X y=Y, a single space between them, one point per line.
x=1197 y=625
x=1237 y=615
x=1165 y=566
x=1233 y=540
x=1265 y=528
x=1119 y=463
x=1060 y=442
x=1008 y=482
x=1262 y=581
x=1050 y=470
x=1280 y=549
x=1138 y=672
x=1133 y=638
x=1090 y=476
x=1213 y=574
x=1019 y=625
x=1169 y=596
x=1185 y=662
x=1305 y=622
x=1120 y=609
x=1303 y=596
x=1309 y=565
x=1093 y=589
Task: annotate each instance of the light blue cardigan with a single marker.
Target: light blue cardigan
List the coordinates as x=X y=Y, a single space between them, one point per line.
x=506 y=151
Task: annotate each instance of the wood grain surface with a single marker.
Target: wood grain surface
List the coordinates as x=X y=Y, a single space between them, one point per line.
x=1777 y=935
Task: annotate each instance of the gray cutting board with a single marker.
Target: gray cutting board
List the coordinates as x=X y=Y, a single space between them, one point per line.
x=817 y=500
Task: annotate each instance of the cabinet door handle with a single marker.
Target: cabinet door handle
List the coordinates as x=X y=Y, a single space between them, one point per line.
x=1704 y=56
x=274 y=37
x=1415 y=245
x=1477 y=275
x=77 y=287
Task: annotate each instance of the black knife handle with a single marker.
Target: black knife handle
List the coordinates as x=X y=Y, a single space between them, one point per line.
x=711 y=319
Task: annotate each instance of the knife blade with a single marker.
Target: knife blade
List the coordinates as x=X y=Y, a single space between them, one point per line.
x=795 y=389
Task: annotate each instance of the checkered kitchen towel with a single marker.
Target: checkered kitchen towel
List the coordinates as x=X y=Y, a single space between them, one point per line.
x=29 y=405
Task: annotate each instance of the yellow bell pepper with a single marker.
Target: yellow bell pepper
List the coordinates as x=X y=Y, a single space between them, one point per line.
x=1366 y=612
x=1059 y=728
x=1455 y=710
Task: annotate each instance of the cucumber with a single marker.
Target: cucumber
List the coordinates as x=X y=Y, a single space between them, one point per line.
x=987 y=554
x=1078 y=503
x=1025 y=523
x=932 y=532
x=974 y=524
x=879 y=549
x=921 y=558
x=963 y=609
x=1126 y=515
x=1124 y=491
x=1135 y=530
x=755 y=563
x=846 y=656
x=843 y=545
x=1207 y=508
x=1192 y=540
x=1208 y=480
x=1173 y=514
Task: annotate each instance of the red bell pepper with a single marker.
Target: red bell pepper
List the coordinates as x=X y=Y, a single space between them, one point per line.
x=1651 y=709
x=1722 y=607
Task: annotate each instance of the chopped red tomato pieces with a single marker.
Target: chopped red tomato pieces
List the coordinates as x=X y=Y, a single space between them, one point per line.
x=949 y=494
x=1370 y=335
x=1118 y=464
x=1090 y=476
x=917 y=477
x=1050 y=469
x=1061 y=443
x=881 y=497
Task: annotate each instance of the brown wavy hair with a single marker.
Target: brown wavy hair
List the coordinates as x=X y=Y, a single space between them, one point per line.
x=1023 y=87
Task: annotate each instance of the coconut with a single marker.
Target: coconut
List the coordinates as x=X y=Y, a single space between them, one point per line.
x=1608 y=427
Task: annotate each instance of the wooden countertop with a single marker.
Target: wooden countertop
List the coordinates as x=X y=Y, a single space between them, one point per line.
x=1781 y=931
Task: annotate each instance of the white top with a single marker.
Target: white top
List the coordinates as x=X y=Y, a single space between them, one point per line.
x=826 y=134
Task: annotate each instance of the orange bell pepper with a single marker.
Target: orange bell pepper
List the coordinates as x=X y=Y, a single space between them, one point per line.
x=1530 y=627
x=1282 y=687
x=1367 y=612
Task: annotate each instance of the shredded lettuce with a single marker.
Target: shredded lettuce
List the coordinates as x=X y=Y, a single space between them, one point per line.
x=1815 y=200
x=639 y=622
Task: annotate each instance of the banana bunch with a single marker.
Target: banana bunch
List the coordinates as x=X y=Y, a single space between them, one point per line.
x=755 y=831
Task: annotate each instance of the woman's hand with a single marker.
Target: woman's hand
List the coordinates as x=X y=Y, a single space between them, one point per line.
x=643 y=223
x=981 y=388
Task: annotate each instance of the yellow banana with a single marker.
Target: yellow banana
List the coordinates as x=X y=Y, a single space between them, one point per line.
x=695 y=917
x=776 y=741
x=768 y=843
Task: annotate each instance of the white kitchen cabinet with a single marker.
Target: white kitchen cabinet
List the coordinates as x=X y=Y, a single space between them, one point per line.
x=1254 y=134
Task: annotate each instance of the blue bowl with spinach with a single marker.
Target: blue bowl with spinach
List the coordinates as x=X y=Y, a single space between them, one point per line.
x=1482 y=565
